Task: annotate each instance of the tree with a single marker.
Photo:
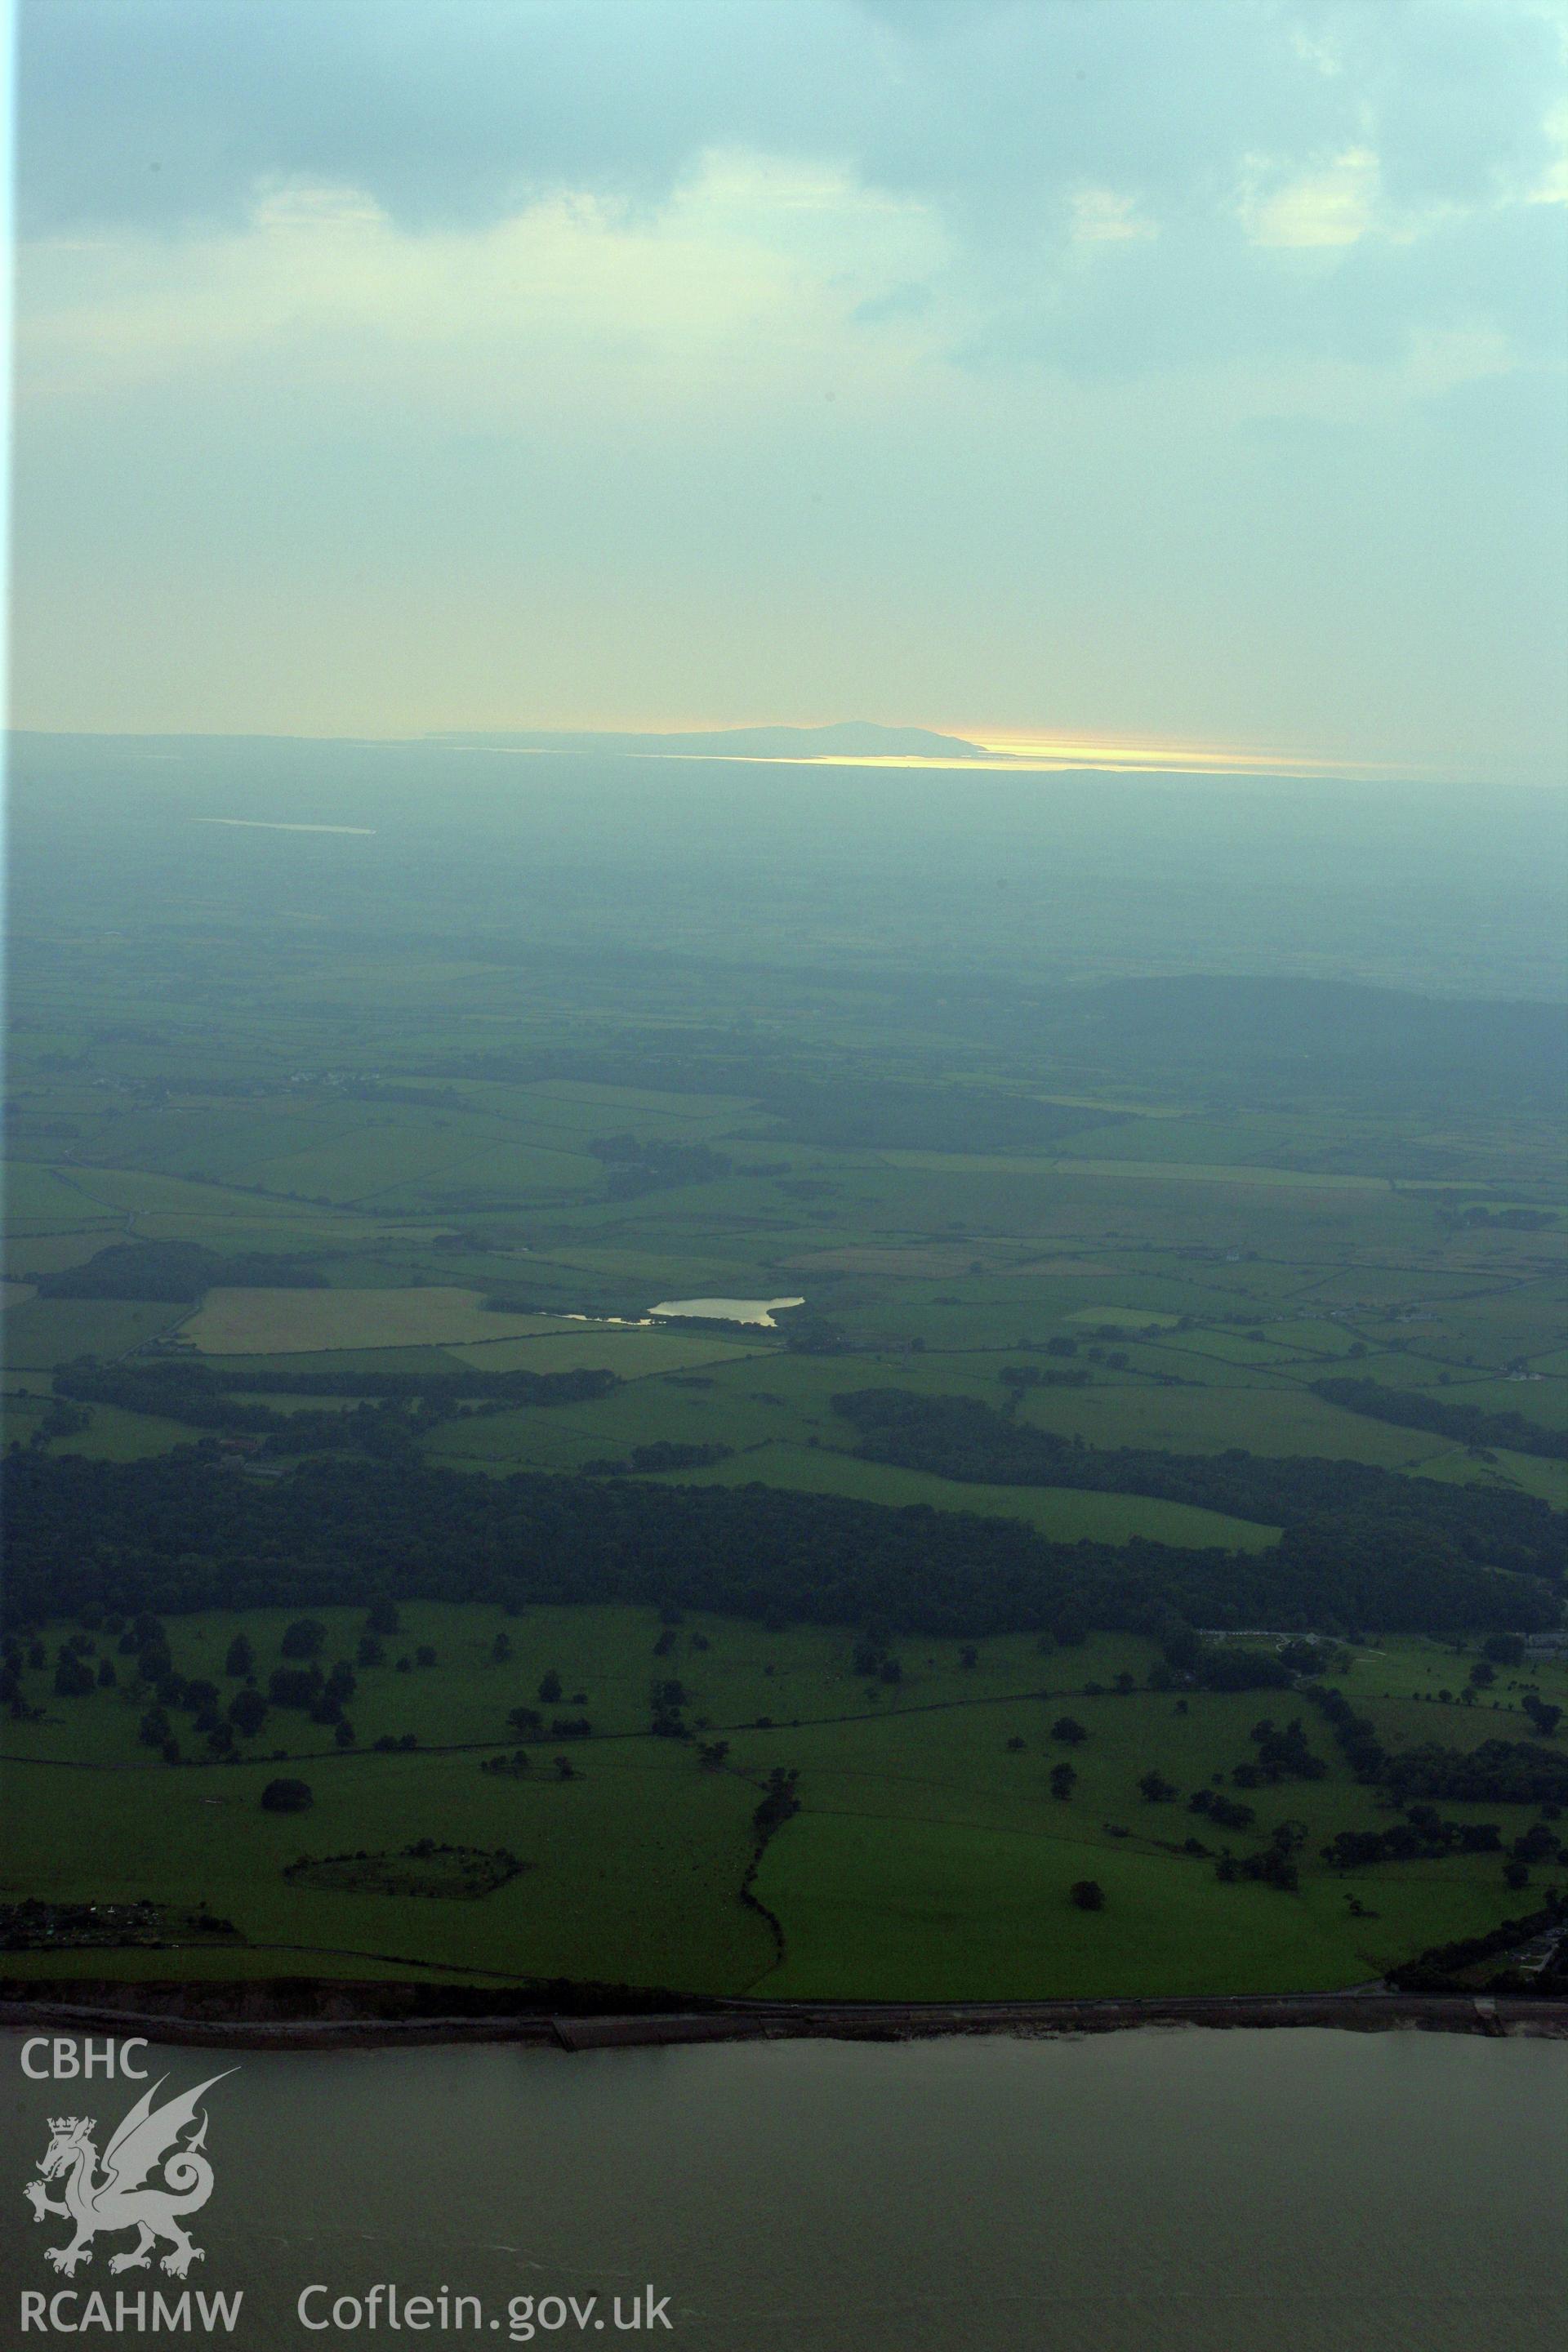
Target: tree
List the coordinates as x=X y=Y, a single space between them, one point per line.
x=303 y=1638
x=1545 y=1717
x=1064 y=1779
x=1088 y=1894
x=383 y=1618
x=1538 y=1843
x=248 y=1713
x=241 y=1658
x=550 y=1687
x=369 y=1652
x=565 y=1769
x=1183 y=1650
x=1155 y=1789
x=1068 y=1730
x=294 y=1685
x=501 y=1649
x=780 y=1802
x=287 y=1797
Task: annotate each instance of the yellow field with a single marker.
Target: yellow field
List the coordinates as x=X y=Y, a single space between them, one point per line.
x=299 y=1322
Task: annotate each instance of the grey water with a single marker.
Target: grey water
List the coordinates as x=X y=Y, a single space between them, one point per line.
x=1148 y=2191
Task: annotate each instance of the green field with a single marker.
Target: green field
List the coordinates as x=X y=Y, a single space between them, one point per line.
x=1056 y=1511
x=480 y=1151
x=928 y=1857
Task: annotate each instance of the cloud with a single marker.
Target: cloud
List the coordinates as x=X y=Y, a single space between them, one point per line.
x=1020 y=140
x=1552 y=188
x=1101 y=216
x=1332 y=204
x=754 y=274
x=167 y=114
x=766 y=354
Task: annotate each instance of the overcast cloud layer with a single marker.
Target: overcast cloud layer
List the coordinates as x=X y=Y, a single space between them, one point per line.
x=1192 y=372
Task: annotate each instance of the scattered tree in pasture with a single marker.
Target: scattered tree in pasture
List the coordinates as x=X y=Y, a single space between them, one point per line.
x=287 y=1796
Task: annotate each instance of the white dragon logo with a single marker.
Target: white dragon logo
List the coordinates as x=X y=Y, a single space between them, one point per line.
x=123 y=2198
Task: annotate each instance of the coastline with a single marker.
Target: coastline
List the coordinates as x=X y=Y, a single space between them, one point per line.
x=169 y=2018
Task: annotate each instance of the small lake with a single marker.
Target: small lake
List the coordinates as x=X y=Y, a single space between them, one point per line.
x=756 y=1311
x=1148 y=2191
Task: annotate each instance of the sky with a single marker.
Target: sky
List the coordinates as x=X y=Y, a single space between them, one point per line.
x=1106 y=373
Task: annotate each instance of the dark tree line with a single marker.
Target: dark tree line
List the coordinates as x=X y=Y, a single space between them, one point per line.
x=1421 y=1837
x=1468 y=1423
x=1498 y=1772
x=1442 y=1968
x=182 y=1531
x=1310 y=1498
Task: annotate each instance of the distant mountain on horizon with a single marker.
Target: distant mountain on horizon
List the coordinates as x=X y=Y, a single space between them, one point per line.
x=851 y=739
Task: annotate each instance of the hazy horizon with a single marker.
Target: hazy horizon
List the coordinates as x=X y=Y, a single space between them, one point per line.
x=1136 y=381
x=996 y=755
